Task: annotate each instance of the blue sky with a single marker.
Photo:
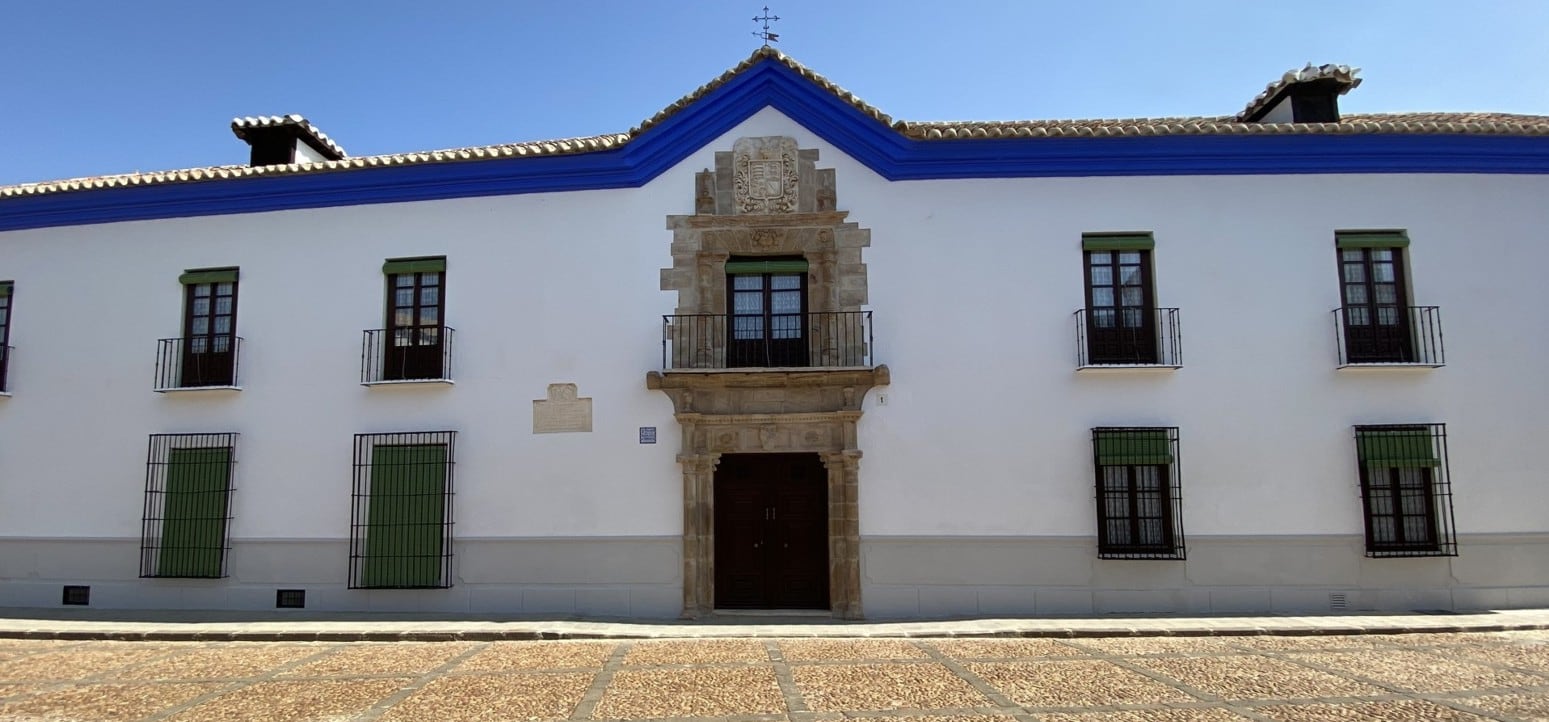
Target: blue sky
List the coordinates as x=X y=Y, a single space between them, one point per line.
x=113 y=86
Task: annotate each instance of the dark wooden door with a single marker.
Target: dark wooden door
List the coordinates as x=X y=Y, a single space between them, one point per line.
x=768 y=320
x=1121 y=322
x=209 y=334
x=414 y=327
x=771 y=532
x=1376 y=312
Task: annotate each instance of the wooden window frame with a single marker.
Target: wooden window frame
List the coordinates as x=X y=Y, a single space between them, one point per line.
x=1107 y=345
x=1172 y=545
x=1381 y=481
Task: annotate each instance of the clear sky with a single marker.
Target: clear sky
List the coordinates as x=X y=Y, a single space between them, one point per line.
x=112 y=86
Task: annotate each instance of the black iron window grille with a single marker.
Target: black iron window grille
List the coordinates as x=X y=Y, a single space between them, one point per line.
x=1139 y=498
x=290 y=598
x=188 y=484
x=397 y=355
x=799 y=340
x=1128 y=337
x=401 y=511
x=198 y=362
x=6 y=288
x=75 y=595
x=1389 y=335
x=1406 y=493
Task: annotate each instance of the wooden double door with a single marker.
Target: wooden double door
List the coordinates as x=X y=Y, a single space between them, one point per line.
x=771 y=532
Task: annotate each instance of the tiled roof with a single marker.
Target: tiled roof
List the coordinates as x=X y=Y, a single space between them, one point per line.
x=240 y=126
x=1406 y=123
x=1342 y=75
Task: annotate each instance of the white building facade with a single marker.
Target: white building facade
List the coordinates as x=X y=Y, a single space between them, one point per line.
x=773 y=350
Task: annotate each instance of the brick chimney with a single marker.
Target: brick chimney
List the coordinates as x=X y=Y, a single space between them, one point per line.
x=1309 y=95
x=285 y=139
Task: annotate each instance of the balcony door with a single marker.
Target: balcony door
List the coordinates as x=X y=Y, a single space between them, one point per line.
x=767 y=323
x=1376 y=313
x=1120 y=321
x=209 y=333
x=415 y=337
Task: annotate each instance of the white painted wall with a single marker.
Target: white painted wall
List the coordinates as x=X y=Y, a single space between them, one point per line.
x=307 y=154
x=973 y=283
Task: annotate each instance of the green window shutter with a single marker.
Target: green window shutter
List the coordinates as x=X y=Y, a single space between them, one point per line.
x=1371 y=239
x=193 y=527
x=210 y=275
x=1396 y=448
x=5 y=288
x=1141 y=446
x=414 y=265
x=745 y=267
x=405 y=522
x=1117 y=242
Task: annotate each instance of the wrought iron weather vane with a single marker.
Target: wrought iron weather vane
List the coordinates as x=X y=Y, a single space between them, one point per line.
x=767 y=36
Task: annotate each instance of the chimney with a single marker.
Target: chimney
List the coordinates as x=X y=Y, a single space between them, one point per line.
x=285 y=139
x=1309 y=95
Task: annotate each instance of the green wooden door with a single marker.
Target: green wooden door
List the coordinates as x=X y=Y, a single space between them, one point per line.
x=193 y=527
x=405 y=521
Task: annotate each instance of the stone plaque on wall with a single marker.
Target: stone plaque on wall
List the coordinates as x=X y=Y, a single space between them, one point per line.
x=764 y=175
x=562 y=412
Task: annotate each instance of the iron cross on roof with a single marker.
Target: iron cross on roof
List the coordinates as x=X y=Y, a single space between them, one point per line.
x=765 y=34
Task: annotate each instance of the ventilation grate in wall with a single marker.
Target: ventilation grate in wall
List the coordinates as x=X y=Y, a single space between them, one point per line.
x=290 y=598
x=76 y=595
x=1337 y=602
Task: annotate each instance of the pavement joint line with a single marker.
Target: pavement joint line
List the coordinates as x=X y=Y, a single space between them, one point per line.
x=599 y=687
x=1397 y=692
x=382 y=705
x=795 y=704
x=981 y=686
x=1151 y=674
x=234 y=685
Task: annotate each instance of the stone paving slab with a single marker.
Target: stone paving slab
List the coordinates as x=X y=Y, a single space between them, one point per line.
x=204 y=626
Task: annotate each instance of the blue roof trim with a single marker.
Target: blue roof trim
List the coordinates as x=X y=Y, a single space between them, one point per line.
x=770 y=83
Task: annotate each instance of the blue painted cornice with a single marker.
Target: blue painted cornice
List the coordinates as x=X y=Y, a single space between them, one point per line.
x=769 y=82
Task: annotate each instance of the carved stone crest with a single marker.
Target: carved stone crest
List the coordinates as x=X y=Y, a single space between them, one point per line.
x=764 y=175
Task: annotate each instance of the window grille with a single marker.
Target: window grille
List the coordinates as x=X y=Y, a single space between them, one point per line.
x=188 y=484
x=1139 y=498
x=1406 y=492
x=401 y=511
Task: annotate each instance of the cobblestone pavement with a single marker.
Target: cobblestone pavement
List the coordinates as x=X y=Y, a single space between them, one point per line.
x=1431 y=676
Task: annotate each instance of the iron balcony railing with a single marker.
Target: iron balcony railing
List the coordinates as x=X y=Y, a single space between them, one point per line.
x=197 y=362
x=5 y=368
x=801 y=340
x=418 y=353
x=1389 y=335
x=1128 y=337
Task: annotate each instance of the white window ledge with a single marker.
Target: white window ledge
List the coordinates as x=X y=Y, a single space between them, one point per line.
x=411 y=382
x=1127 y=368
x=195 y=389
x=5 y=394
x=1397 y=366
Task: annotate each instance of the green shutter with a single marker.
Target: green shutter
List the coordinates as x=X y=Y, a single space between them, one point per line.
x=1117 y=242
x=5 y=288
x=1145 y=446
x=742 y=267
x=1396 y=448
x=405 y=525
x=211 y=275
x=1371 y=239
x=193 y=526
x=414 y=265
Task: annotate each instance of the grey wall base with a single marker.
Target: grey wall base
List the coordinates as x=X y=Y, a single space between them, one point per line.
x=596 y=577
x=924 y=577
x=902 y=577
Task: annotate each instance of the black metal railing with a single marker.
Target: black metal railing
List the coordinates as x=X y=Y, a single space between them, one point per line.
x=1393 y=335
x=1128 y=337
x=197 y=362
x=401 y=511
x=5 y=368
x=1139 y=493
x=1406 y=490
x=422 y=353
x=721 y=341
x=186 y=525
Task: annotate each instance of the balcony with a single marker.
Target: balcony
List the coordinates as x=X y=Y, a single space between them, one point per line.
x=414 y=355
x=799 y=340
x=1128 y=339
x=1389 y=337
x=198 y=363
x=5 y=368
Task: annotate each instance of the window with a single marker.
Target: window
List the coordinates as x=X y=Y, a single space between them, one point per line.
x=1377 y=324
x=401 y=515
x=206 y=355
x=768 y=299
x=187 y=505
x=1405 y=493
x=6 y=289
x=416 y=344
x=1121 y=324
x=1139 y=505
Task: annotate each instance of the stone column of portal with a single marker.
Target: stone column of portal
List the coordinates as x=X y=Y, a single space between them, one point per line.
x=698 y=533
x=844 y=567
